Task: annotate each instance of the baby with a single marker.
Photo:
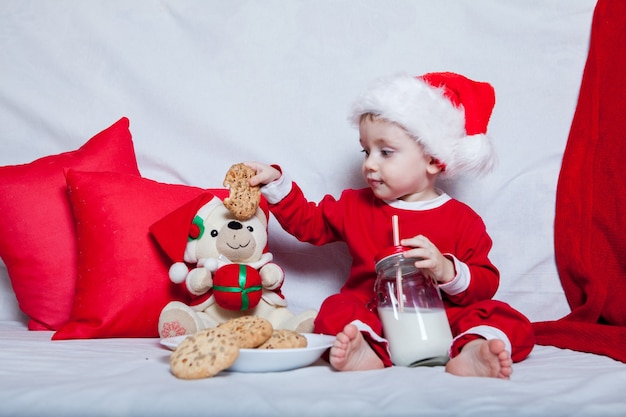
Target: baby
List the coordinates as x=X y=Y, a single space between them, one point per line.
x=412 y=130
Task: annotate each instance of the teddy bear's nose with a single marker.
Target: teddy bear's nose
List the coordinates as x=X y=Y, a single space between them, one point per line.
x=234 y=225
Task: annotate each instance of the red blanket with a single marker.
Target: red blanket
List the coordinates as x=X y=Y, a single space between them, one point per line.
x=590 y=227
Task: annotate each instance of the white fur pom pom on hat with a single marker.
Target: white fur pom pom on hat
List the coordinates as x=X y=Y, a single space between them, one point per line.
x=446 y=112
x=178 y=272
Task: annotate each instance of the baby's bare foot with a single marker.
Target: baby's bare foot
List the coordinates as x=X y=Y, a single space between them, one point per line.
x=482 y=357
x=351 y=352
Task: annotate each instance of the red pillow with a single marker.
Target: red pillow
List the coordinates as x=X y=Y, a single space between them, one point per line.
x=37 y=237
x=123 y=281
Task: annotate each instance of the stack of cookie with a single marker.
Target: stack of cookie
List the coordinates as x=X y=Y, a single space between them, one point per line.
x=210 y=351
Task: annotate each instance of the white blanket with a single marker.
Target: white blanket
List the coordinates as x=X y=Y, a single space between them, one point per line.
x=119 y=377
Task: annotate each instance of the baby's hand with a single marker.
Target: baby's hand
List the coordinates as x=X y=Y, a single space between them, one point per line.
x=432 y=262
x=264 y=173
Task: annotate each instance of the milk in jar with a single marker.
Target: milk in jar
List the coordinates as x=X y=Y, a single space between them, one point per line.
x=411 y=310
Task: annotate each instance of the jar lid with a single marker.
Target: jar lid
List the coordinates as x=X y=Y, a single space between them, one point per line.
x=390 y=251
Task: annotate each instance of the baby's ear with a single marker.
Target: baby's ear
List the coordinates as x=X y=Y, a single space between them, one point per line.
x=435 y=166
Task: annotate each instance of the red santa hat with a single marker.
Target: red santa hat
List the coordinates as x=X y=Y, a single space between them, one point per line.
x=446 y=112
x=174 y=231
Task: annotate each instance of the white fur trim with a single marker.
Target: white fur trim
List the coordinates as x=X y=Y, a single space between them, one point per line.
x=178 y=272
x=474 y=154
x=431 y=118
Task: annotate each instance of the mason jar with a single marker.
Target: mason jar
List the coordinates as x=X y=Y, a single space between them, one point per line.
x=411 y=310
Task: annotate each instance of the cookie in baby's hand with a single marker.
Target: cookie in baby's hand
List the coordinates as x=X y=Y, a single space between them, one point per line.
x=284 y=339
x=251 y=331
x=243 y=199
x=205 y=354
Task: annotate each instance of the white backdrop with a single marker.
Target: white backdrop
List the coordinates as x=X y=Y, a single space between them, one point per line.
x=207 y=83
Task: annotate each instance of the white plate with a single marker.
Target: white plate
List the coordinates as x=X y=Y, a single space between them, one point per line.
x=272 y=360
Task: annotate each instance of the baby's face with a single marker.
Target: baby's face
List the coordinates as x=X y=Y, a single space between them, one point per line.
x=395 y=165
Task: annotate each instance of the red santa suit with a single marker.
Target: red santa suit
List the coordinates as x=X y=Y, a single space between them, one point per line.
x=363 y=221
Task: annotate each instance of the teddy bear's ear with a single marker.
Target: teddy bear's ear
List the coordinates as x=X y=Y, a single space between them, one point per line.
x=261 y=217
x=263 y=212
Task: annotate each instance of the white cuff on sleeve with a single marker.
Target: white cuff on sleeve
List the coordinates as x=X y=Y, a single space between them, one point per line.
x=275 y=191
x=461 y=281
x=488 y=333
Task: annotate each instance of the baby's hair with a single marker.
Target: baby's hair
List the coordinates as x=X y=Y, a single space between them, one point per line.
x=369 y=116
x=372 y=117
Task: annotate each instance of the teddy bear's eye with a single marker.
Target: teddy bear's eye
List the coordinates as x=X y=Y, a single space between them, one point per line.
x=250 y=229
x=213 y=233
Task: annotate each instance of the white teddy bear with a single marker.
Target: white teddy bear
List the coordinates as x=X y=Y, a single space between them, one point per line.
x=231 y=274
